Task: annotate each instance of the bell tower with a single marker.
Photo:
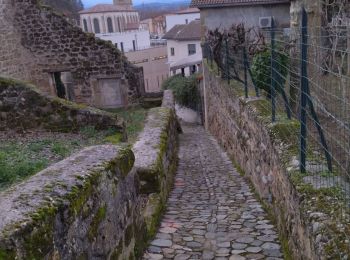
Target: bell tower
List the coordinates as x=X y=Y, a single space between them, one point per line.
x=123 y=3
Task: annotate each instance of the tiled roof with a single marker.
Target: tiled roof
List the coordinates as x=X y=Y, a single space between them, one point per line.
x=190 y=10
x=185 y=32
x=104 y=8
x=223 y=3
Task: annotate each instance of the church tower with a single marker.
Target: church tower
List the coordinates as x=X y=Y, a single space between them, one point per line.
x=127 y=4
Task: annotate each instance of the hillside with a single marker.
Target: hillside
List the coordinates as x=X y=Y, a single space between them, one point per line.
x=160 y=7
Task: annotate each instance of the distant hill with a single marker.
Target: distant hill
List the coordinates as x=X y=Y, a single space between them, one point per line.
x=70 y=8
x=149 y=10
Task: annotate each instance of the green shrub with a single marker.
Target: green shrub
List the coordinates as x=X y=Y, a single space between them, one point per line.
x=261 y=70
x=185 y=89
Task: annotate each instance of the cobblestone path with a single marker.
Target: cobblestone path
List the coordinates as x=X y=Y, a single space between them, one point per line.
x=211 y=212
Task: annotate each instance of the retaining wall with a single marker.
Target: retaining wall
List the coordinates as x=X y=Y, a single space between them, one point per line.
x=267 y=154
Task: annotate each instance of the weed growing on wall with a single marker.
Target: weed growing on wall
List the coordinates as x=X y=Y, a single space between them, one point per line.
x=185 y=89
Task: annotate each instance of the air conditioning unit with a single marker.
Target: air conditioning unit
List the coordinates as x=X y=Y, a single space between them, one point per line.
x=265 y=22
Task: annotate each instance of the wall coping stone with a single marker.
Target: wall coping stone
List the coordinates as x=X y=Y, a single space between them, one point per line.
x=54 y=183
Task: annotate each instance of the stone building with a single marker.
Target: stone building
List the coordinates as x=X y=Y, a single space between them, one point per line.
x=42 y=47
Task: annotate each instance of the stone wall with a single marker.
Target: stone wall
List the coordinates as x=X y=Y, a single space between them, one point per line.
x=85 y=207
x=23 y=106
x=156 y=159
x=36 y=43
x=266 y=154
x=101 y=203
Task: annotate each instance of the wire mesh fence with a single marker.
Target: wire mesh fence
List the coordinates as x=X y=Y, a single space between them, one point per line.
x=304 y=74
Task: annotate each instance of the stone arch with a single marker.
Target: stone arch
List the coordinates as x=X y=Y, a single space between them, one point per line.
x=96 y=23
x=110 y=25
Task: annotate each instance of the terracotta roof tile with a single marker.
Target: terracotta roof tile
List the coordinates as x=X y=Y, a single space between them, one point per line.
x=103 y=8
x=185 y=32
x=223 y=3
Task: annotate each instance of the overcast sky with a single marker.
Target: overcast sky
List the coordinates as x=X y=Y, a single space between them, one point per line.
x=88 y=3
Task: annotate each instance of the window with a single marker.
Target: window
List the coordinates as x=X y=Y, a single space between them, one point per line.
x=109 y=24
x=85 y=25
x=97 y=26
x=191 y=49
x=116 y=45
x=172 y=51
x=134 y=45
x=122 y=47
x=186 y=21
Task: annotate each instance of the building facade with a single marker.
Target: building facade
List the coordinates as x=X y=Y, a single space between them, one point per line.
x=216 y=14
x=119 y=24
x=181 y=17
x=155 y=66
x=184 y=48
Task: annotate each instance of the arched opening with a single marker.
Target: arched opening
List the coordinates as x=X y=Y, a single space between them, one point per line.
x=97 y=26
x=119 y=25
x=109 y=24
x=85 y=25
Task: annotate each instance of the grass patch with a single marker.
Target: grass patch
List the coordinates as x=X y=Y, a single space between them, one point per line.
x=135 y=119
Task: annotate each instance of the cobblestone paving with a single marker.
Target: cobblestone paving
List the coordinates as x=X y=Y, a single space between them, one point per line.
x=211 y=212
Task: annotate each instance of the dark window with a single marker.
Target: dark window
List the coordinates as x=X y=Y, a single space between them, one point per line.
x=122 y=47
x=85 y=25
x=97 y=26
x=60 y=87
x=186 y=21
x=134 y=45
x=172 y=51
x=116 y=45
x=109 y=24
x=191 y=49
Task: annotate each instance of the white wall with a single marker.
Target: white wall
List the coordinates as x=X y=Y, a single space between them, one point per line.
x=154 y=64
x=174 y=19
x=141 y=38
x=181 y=51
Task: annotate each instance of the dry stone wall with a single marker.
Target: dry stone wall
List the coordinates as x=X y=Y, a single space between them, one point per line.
x=94 y=204
x=36 y=43
x=266 y=154
x=23 y=106
x=156 y=159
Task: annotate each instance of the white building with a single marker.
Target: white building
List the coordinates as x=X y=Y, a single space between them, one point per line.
x=182 y=17
x=184 y=48
x=118 y=23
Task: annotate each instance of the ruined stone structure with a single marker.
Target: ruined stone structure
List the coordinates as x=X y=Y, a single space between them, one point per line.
x=23 y=106
x=42 y=47
x=101 y=203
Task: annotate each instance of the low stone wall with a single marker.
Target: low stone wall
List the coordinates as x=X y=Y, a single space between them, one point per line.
x=23 y=106
x=101 y=203
x=156 y=159
x=263 y=151
x=84 y=207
